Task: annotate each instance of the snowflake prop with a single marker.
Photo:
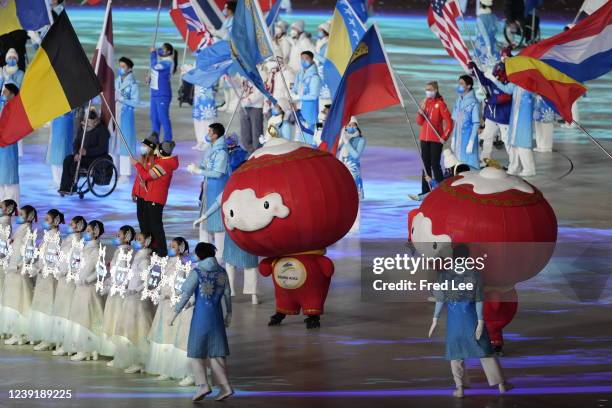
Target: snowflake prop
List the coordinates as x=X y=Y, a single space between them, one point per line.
x=153 y=276
x=6 y=249
x=49 y=253
x=101 y=269
x=121 y=272
x=74 y=259
x=29 y=252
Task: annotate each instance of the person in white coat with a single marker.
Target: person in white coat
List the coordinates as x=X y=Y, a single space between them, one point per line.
x=320 y=52
x=64 y=292
x=19 y=286
x=134 y=323
x=41 y=311
x=86 y=309
x=8 y=209
x=300 y=42
x=280 y=42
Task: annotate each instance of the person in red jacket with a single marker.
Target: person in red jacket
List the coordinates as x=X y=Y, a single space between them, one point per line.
x=139 y=190
x=157 y=180
x=432 y=139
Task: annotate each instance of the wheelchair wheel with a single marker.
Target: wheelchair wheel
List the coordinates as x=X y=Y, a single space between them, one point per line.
x=514 y=33
x=102 y=177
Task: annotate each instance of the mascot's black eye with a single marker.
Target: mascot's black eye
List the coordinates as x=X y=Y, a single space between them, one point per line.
x=435 y=245
x=266 y=205
x=412 y=231
x=231 y=213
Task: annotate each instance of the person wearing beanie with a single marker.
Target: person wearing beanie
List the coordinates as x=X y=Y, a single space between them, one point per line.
x=300 y=42
x=157 y=178
x=128 y=97
x=350 y=150
x=11 y=74
x=280 y=42
x=9 y=155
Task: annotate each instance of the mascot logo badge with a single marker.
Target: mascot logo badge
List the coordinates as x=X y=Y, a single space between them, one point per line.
x=289 y=273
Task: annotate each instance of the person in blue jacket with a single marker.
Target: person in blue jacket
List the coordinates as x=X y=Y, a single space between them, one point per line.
x=207 y=344
x=306 y=90
x=520 y=130
x=60 y=144
x=11 y=74
x=466 y=115
x=164 y=62
x=128 y=97
x=496 y=111
x=9 y=158
x=215 y=167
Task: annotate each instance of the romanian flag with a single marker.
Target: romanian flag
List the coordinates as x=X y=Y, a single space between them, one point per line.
x=345 y=33
x=59 y=79
x=24 y=15
x=367 y=85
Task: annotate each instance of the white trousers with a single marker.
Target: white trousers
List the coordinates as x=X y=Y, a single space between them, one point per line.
x=521 y=158
x=544 y=136
x=125 y=167
x=201 y=130
x=216 y=238
x=250 y=280
x=217 y=366
x=9 y=191
x=490 y=365
x=56 y=172
x=488 y=135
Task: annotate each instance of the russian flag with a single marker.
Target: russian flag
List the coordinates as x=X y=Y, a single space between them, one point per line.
x=367 y=85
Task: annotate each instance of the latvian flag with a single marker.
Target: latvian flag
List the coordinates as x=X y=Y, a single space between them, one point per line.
x=59 y=79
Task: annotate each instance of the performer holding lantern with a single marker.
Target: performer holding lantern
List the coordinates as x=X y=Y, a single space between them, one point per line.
x=268 y=214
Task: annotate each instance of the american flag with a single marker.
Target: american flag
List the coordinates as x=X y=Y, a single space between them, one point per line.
x=442 y=21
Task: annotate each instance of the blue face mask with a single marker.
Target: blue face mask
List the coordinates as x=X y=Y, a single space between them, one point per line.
x=194 y=258
x=46 y=226
x=171 y=252
x=305 y=64
x=20 y=220
x=116 y=241
x=224 y=12
x=207 y=138
x=87 y=236
x=460 y=89
x=275 y=112
x=122 y=71
x=320 y=35
x=351 y=130
x=11 y=62
x=144 y=150
x=137 y=245
x=70 y=230
x=161 y=52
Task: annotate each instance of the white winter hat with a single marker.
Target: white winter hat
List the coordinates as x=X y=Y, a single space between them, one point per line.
x=450 y=160
x=326 y=26
x=11 y=53
x=282 y=25
x=298 y=25
x=488 y=3
x=353 y=120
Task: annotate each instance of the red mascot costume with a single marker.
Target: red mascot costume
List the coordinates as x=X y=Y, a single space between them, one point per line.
x=499 y=215
x=289 y=202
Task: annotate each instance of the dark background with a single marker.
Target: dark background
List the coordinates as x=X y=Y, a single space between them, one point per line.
x=550 y=7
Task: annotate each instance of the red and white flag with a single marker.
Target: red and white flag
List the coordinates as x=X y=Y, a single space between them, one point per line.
x=442 y=20
x=103 y=67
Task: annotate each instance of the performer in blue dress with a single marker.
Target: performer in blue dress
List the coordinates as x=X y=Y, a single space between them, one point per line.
x=466 y=334
x=204 y=113
x=60 y=144
x=466 y=115
x=207 y=345
x=128 y=97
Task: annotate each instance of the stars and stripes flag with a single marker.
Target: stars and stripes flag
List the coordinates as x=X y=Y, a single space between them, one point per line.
x=442 y=22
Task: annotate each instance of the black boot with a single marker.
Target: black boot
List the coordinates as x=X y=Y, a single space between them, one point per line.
x=276 y=319
x=313 y=322
x=499 y=351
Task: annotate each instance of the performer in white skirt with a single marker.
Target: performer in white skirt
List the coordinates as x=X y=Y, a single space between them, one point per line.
x=71 y=253
x=41 y=312
x=86 y=309
x=114 y=300
x=18 y=287
x=162 y=335
x=136 y=316
x=8 y=209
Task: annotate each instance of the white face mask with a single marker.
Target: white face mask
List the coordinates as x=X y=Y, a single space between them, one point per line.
x=430 y=94
x=294 y=33
x=10 y=70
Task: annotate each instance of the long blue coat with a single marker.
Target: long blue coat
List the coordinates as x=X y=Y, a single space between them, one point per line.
x=62 y=137
x=9 y=164
x=128 y=96
x=352 y=161
x=308 y=88
x=466 y=116
x=207 y=336
x=216 y=169
x=520 y=131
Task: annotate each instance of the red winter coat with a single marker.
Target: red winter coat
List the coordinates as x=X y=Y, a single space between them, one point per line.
x=439 y=115
x=158 y=178
x=139 y=189
x=300 y=282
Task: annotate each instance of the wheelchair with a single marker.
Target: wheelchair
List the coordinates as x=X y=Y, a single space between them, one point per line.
x=521 y=33
x=100 y=178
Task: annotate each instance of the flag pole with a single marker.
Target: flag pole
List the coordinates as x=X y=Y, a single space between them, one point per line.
x=159 y=4
x=597 y=143
x=186 y=47
x=235 y=110
x=86 y=115
x=418 y=147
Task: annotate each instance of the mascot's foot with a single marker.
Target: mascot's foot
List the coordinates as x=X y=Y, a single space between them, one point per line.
x=313 y=322
x=499 y=350
x=276 y=319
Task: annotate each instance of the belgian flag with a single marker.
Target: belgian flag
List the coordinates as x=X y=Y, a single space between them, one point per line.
x=59 y=79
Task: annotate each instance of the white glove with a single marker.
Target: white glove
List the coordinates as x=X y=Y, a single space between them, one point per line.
x=264 y=139
x=193 y=169
x=470 y=147
x=434 y=323
x=35 y=37
x=479 y=328
x=228 y=319
x=199 y=221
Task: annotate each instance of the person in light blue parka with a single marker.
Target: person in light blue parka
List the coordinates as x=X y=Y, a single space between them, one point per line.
x=207 y=344
x=306 y=90
x=128 y=97
x=520 y=130
x=466 y=115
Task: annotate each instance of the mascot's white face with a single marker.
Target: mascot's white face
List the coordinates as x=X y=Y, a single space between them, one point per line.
x=245 y=212
x=425 y=242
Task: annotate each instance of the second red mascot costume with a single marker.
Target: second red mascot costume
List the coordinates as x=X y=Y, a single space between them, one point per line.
x=288 y=203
